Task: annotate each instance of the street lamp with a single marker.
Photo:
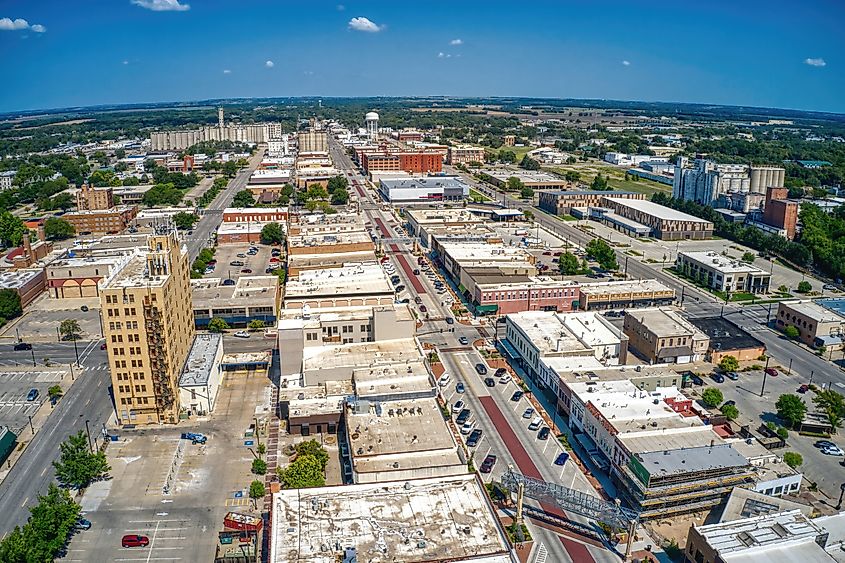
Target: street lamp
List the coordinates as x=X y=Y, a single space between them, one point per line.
x=765 y=373
x=88 y=431
x=841 y=494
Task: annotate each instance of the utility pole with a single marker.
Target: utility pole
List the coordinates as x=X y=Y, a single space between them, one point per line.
x=88 y=431
x=765 y=374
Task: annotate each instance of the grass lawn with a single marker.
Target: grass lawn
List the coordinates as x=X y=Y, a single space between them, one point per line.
x=616 y=177
x=475 y=195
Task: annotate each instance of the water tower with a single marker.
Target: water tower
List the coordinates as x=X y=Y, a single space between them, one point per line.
x=371 y=120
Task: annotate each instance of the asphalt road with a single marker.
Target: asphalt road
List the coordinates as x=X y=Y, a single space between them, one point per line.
x=456 y=357
x=212 y=215
x=89 y=398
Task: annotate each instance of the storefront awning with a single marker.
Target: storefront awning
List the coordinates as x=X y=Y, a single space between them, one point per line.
x=487 y=308
x=509 y=349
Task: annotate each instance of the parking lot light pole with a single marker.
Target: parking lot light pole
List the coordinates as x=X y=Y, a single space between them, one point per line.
x=765 y=373
x=33 y=356
x=76 y=350
x=88 y=431
x=841 y=494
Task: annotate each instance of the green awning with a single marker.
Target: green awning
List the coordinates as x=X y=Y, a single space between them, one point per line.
x=509 y=349
x=462 y=289
x=487 y=308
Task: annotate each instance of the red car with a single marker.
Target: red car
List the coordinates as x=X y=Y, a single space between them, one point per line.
x=134 y=540
x=771 y=371
x=246 y=271
x=487 y=464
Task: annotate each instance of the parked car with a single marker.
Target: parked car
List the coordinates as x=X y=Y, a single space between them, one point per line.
x=458 y=406
x=474 y=438
x=487 y=464
x=528 y=413
x=517 y=395
x=195 y=437
x=459 y=388
x=467 y=427
x=772 y=371
x=730 y=403
x=463 y=340
x=450 y=321
x=23 y=346
x=718 y=378
x=444 y=379
x=228 y=281
x=500 y=372
x=696 y=379
x=481 y=369
x=489 y=382
x=83 y=524
x=462 y=417
x=246 y=270
x=833 y=450
x=236 y=263
x=543 y=434
x=824 y=444
x=505 y=379
x=535 y=424
x=241 y=255
x=32 y=395
x=732 y=375
x=241 y=334
x=416 y=272
x=561 y=458
x=803 y=388
x=135 y=540
x=423 y=308
x=399 y=288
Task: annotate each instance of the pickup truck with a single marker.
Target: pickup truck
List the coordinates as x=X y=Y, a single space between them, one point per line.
x=195 y=437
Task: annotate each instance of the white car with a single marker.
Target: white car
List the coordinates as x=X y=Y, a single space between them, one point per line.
x=505 y=379
x=241 y=334
x=467 y=427
x=833 y=450
x=458 y=407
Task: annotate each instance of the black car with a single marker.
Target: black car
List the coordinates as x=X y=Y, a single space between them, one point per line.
x=481 y=369
x=474 y=438
x=718 y=378
x=696 y=379
x=489 y=382
x=23 y=346
x=450 y=321
x=399 y=288
x=729 y=404
x=236 y=263
x=487 y=464
x=543 y=434
x=517 y=395
x=500 y=372
x=462 y=417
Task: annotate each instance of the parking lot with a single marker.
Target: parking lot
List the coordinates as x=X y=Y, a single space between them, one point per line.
x=15 y=408
x=229 y=253
x=42 y=325
x=172 y=491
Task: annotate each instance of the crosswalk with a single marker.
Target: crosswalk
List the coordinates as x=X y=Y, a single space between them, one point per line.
x=31 y=376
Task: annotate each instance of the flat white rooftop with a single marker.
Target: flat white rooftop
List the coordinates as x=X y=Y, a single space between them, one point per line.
x=475 y=251
x=411 y=521
x=200 y=362
x=441 y=216
x=361 y=354
x=624 y=287
x=813 y=310
x=656 y=210
x=13 y=279
x=365 y=278
x=723 y=264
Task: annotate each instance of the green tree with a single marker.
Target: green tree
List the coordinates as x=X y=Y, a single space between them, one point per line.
x=506 y=156
x=259 y=466
x=748 y=257
x=243 y=198
x=729 y=363
x=568 y=264
x=162 y=195
x=514 y=184
x=316 y=192
x=58 y=229
x=526 y=192
x=337 y=183
x=791 y=409
x=77 y=467
x=529 y=163
x=783 y=289
x=832 y=405
x=313 y=448
x=256 y=490
x=70 y=330
x=305 y=471
x=217 y=325
x=11 y=229
x=272 y=233
x=600 y=184
x=791 y=332
x=602 y=253
x=712 y=397
x=730 y=411
x=55 y=391
x=184 y=220
x=255 y=324
x=572 y=175
x=804 y=287
x=45 y=534
x=340 y=197
x=132 y=181
x=10 y=304
x=793 y=459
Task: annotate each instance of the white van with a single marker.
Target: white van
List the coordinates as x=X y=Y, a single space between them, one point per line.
x=444 y=380
x=536 y=423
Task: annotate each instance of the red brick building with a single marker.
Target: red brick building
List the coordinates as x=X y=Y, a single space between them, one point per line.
x=411 y=162
x=779 y=212
x=496 y=295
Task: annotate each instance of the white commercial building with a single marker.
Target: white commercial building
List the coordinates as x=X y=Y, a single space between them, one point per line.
x=202 y=374
x=423 y=189
x=723 y=273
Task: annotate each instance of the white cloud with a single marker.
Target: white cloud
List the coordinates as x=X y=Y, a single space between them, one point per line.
x=126 y=62
x=269 y=64
x=227 y=71
x=162 y=5
x=815 y=62
x=308 y=72
x=626 y=63
x=340 y=7
x=442 y=55
x=364 y=24
x=456 y=42
x=8 y=24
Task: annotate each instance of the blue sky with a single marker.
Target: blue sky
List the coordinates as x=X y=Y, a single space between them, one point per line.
x=776 y=53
